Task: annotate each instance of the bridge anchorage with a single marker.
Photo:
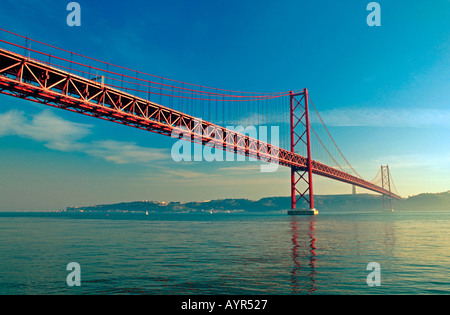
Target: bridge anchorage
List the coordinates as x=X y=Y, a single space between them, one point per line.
x=51 y=77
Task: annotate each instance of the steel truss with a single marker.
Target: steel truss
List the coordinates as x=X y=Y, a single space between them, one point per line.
x=35 y=81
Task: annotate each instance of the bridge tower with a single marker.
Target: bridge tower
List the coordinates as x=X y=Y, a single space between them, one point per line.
x=300 y=134
x=386 y=184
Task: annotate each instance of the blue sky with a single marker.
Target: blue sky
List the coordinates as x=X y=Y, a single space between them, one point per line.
x=383 y=92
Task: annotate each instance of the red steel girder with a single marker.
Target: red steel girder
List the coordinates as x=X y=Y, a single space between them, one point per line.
x=38 y=82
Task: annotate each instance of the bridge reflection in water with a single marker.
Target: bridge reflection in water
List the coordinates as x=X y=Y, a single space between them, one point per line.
x=303 y=255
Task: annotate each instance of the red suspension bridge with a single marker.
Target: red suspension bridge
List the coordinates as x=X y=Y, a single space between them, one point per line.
x=42 y=73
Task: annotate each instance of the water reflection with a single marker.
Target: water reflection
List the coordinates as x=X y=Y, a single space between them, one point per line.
x=389 y=240
x=303 y=255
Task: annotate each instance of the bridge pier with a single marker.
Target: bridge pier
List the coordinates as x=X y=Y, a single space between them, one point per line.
x=303 y=212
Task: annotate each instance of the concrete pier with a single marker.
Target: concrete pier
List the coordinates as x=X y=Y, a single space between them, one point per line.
x=303 y=212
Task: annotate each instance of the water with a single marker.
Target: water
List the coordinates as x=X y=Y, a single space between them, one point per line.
x=225 y=253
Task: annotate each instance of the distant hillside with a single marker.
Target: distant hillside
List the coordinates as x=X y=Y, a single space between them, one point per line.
x=363 y=202
x=425 y=202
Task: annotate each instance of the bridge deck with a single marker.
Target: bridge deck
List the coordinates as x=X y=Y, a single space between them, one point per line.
x=38 y=82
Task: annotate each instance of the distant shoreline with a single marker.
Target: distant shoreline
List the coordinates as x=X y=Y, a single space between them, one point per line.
x=360 y=202
x=324 y=203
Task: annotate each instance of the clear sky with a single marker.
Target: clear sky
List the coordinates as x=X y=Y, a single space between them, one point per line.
x=383 y=92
